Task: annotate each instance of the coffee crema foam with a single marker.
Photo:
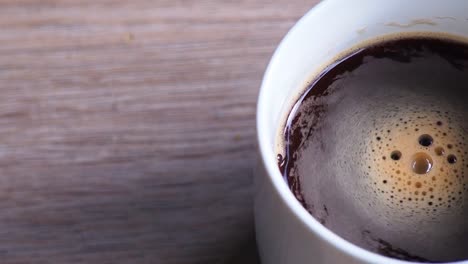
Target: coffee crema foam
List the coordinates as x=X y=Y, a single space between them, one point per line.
x=417 y=163
x=375 y=149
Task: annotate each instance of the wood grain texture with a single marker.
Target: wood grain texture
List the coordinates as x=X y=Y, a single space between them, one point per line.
x=127 y=128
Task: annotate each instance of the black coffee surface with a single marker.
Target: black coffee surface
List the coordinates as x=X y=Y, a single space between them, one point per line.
x=376 y=149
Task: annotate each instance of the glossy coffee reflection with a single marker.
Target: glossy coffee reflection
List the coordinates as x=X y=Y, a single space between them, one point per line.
x=375 y=149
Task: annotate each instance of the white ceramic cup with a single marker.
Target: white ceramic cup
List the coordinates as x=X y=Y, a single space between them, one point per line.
x=286 y=232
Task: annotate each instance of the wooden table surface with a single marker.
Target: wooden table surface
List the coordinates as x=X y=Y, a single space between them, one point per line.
x=127 y=130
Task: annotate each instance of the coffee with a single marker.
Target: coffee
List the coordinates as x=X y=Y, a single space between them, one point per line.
x=375 y=148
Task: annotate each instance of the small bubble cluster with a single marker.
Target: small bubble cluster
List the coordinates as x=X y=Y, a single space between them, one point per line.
x=415 y=160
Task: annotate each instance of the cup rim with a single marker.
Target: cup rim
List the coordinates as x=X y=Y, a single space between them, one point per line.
x=274 y=175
